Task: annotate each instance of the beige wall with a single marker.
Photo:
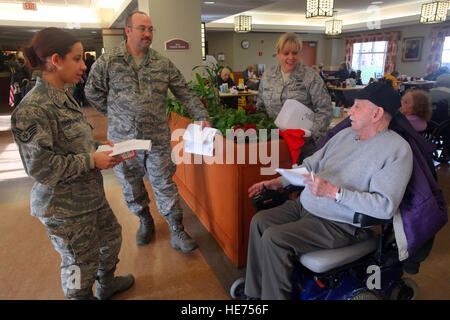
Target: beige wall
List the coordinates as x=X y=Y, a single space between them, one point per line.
x=330 y=51
x=176 y=19
x=229 y=43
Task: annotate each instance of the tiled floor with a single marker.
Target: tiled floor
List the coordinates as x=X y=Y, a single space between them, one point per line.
x=29 y=266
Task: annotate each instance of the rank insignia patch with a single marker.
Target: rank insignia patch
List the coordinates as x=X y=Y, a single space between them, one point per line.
x=27 y=134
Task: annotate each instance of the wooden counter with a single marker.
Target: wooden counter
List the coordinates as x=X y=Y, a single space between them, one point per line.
x=217 y=193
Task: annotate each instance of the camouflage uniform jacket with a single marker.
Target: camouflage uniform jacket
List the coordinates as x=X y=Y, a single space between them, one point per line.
x=135 y=98
x=55 y=143
x=303 y=85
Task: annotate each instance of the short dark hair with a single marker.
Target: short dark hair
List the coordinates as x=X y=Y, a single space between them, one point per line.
x=47 y=42
x=130 y=16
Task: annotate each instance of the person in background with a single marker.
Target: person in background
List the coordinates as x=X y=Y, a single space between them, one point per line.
x=57 y=149
x=358 y=78
x=436 y=71
x=250 y=78
x=440 y=98
x=416 y=106
x=224 y=77
x=248 y=73
x=291 y=79
x=320 y=70
x=129 y=84
x=89 y=62
x=392 y=79
x=343 y=72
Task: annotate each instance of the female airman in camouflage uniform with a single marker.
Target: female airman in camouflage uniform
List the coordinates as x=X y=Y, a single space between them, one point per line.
x=293 y=80
x=57 y=149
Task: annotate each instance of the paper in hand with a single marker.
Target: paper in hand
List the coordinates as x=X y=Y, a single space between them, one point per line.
x=126 y=149
x=294 y=176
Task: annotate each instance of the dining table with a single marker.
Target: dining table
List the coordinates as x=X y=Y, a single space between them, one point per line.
x=241 y=93
x=238 y=99
x=358 y=87
x=421 y=84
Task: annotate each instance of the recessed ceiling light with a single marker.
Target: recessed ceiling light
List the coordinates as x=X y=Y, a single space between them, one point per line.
x=208 y=2
x=377 y=2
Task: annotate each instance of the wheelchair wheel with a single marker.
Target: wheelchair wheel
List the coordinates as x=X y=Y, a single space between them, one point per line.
x=365 y=295
x=439 y=138
x=406 y=289
x=237 y=289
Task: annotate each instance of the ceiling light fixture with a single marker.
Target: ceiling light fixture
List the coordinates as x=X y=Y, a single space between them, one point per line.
x=242 y=24
x=333 y=27
x=319 y=8
x=434 y=12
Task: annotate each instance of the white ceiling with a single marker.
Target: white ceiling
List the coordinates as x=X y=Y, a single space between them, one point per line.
x=289 y=15
x=267 y=16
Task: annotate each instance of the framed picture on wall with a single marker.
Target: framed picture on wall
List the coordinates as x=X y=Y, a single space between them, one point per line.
x=412 y=49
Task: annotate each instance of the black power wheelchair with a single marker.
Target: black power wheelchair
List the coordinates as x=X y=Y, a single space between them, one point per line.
x=369 y=270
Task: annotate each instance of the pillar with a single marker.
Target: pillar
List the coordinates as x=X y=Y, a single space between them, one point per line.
x=175 y=19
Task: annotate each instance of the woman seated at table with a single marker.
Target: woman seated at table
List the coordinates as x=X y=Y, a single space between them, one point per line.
x=392 y=78
x=416 y=106
x=291 y=79
x=250 y=78
x=343 y=72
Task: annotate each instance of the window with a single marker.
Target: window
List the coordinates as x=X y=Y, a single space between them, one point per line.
x=369 y=57
x=446 y=53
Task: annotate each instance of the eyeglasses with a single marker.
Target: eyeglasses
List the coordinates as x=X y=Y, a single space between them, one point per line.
x=142 y=29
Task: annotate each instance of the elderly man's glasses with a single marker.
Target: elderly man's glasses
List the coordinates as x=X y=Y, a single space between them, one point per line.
x=142 y=29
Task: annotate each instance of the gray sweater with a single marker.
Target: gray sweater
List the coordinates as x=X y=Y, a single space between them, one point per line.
x=372 y=175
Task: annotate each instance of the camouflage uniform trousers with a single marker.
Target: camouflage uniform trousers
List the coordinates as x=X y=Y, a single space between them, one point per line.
x=160 y=168
x=88 y=243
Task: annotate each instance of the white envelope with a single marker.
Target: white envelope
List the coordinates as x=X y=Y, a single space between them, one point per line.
x=295 y=115
x=199 y=141
x=126 y=146
x=294 y=176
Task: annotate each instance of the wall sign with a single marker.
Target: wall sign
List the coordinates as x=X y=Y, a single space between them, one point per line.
x=177 y=44
x=29 y=6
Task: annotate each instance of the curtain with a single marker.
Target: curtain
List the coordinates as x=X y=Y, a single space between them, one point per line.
x=391 y=54
x=437 y=37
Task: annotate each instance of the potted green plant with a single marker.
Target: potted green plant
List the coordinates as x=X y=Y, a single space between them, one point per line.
x=226 y=215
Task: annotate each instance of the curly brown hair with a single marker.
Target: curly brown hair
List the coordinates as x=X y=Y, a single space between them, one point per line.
x=422 y=103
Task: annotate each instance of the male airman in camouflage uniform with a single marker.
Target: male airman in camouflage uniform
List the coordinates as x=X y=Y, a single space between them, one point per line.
x=305 y=86
x=129 y=85
x=56 y=146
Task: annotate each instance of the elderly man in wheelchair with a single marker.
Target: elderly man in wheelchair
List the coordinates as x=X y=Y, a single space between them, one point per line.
x=315 y=246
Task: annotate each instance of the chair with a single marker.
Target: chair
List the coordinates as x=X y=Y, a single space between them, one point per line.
x=236 y=76
x=440 y=137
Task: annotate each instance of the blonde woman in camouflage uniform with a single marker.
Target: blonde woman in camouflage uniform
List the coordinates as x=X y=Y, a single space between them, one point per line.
x=129 y=85
x=56 y=145
x=291 y=79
